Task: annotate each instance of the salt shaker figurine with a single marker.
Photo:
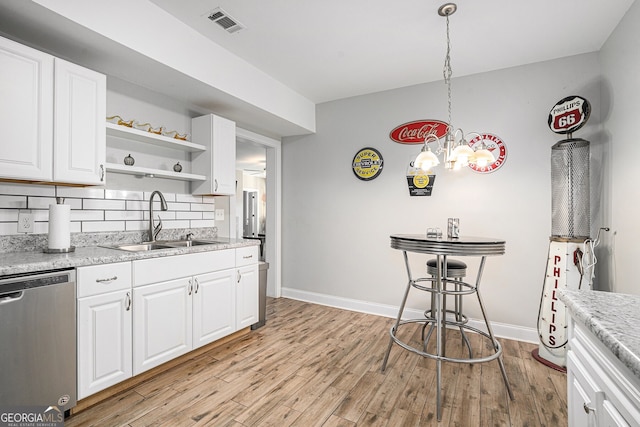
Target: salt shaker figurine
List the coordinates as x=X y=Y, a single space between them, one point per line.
x=177 y=167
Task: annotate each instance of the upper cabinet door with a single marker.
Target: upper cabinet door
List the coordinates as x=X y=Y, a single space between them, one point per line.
x=224 y=156
x=26 y=112
x=80 y=133
x=218 y=162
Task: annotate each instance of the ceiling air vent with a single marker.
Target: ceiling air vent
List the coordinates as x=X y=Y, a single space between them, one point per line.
x=222 y=18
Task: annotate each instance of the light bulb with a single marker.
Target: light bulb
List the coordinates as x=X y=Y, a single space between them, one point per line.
x=426 y=160
x=484 y=157
x=462 y=154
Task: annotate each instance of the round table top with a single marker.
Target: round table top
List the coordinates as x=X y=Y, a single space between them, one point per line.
x=461 y=246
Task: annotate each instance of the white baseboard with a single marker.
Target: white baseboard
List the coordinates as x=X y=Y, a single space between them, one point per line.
x=502 y=330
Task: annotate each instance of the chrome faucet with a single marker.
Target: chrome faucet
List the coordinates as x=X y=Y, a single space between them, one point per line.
x=153 y=231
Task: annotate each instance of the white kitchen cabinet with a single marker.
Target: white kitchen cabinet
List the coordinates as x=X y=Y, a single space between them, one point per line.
x=218 y=162
x=247 y=296
x=104 y=329
x=247 y=286
x=104 y=341
x=133 y=316
x=162 y=323
x=26 y=112
x=79 y=135
x=581 y=393
x=193 y=306
x=214 y=310
x=52 y=118
x=602 y=392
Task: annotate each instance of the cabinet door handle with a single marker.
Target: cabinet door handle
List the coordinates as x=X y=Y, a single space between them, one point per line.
x=190 y=287
x=197 y=285
x=109 y=280
x=588 y=409
x=239 y=276
x=247 y=256
x=101 y=173
x=127 y=303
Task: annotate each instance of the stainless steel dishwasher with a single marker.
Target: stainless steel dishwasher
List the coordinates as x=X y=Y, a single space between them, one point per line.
x=38 y=339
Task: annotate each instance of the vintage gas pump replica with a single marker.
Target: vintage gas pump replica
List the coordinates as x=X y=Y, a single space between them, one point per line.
x=570 y=260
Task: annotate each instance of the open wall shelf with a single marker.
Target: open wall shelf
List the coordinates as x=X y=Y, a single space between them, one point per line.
x=125 y=132
x=153 y=173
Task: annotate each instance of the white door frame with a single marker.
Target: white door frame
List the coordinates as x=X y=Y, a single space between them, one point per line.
x=273 y=248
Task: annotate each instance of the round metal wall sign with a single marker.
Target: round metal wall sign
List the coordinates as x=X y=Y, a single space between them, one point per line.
x=497 y=147
x=569 y=114
x=367 y=164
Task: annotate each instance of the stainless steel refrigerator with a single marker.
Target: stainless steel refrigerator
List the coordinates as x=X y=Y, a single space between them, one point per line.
x=250 y=214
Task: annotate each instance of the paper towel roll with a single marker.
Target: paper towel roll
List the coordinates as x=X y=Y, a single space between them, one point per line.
x=59 y=223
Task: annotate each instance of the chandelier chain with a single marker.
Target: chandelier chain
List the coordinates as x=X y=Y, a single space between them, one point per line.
x=447 y=72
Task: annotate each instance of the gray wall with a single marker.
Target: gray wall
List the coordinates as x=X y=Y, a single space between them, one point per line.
x=620 y=58
x=336 y=228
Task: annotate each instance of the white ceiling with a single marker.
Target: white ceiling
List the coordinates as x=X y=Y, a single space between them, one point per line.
x=332 y=49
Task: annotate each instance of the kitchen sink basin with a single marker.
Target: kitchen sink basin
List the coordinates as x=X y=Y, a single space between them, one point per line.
x=164 y=244
x=187 y=243
x=139 y=247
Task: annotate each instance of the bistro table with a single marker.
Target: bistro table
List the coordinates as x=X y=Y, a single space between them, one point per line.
x=443 y=247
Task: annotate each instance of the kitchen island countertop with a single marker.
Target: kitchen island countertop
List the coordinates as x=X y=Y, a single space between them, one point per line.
x=33 y=261
x=613 y=318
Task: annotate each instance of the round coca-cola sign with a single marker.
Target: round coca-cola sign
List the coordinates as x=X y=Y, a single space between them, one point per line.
x=415 y=132
x=569 y=114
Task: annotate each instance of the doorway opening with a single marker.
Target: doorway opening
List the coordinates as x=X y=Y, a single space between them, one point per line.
x=258 y=199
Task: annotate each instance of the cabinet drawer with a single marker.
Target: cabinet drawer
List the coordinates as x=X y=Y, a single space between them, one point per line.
x=247 y=255
x=154 y=270
x=98 y=279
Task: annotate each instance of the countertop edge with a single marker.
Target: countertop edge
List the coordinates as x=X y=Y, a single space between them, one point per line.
x=613 y=318
x=34 y=261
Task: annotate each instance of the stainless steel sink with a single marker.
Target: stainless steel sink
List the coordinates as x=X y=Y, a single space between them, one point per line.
x=187 y=243
x=139 y=247
x=162 y=244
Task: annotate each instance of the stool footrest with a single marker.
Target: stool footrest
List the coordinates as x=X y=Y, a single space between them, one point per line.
x=467 y=288
x=496 y=345
x=463 y=318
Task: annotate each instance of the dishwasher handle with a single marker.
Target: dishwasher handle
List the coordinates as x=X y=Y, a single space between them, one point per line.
x=11 y=297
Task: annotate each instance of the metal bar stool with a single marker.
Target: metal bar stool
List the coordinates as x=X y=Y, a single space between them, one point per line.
x=453 y=272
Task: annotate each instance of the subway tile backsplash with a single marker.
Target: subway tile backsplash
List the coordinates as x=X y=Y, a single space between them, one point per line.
x=100 y=210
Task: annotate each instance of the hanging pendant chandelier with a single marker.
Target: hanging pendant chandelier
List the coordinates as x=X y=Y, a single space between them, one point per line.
x=456 y=150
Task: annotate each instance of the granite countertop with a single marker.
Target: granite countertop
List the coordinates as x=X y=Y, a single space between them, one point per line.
x=613 y=318
x=33 y=261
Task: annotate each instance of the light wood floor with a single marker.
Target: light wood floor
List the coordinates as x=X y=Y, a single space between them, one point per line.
x=319 y=366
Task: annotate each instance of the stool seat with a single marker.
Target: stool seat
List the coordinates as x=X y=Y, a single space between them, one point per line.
x=455 y=268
